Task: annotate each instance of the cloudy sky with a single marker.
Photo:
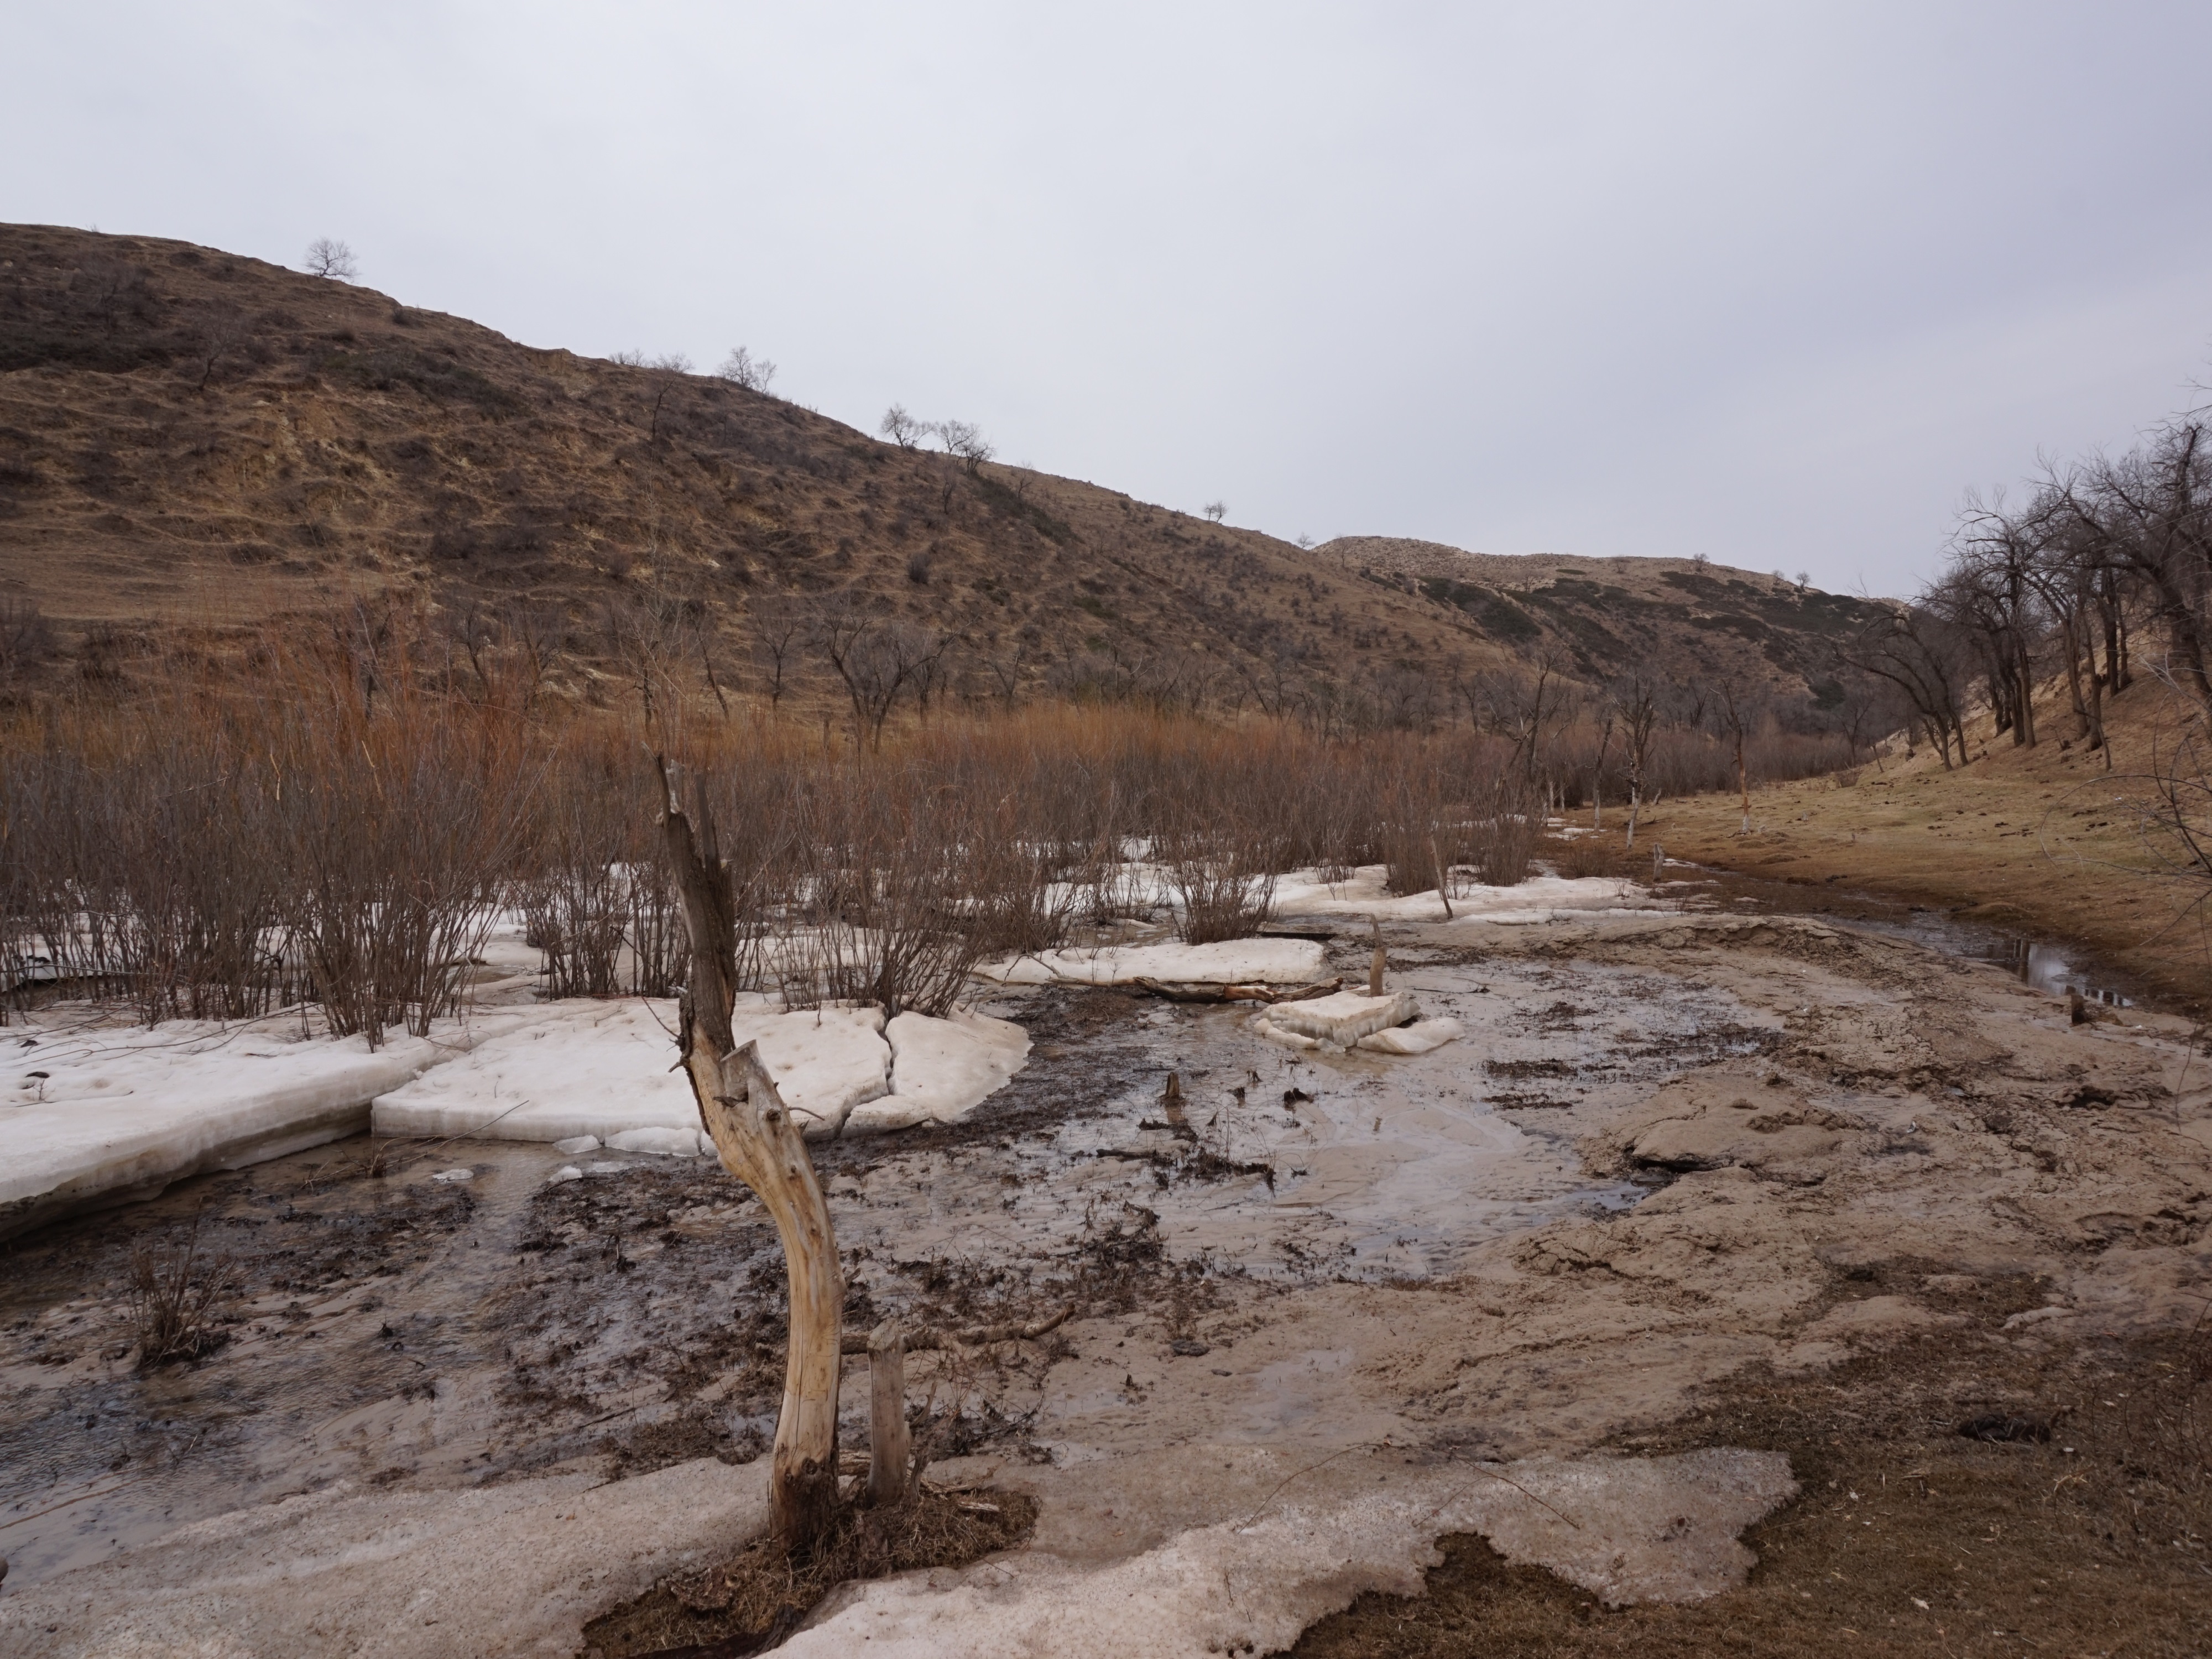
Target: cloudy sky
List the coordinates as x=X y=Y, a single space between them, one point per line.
x=1773 y=282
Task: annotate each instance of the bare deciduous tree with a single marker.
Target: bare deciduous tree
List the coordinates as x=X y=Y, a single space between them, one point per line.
x=327 y=256
x=1216 y=511
x=779 y=623
x=901 y=429
x=742 y=368
x=965 y=439
x=1637 y=700
x=219 y=333
x=876 y=659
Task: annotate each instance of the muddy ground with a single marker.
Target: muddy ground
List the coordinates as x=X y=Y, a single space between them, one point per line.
x=1690 y=1179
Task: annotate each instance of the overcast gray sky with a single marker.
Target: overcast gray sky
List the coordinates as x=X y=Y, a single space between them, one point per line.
x=1773 y=282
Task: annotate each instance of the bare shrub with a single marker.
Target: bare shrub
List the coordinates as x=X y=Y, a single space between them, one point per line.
x=1502 y=836
x=175 y=1295
x=1587 y=855
x=1223 y=884
x=27 y=639
x=1414 y=831
x=892 y=910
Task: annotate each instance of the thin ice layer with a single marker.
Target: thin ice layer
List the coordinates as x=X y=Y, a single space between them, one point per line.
x=102 y=1116
x=1232 y=962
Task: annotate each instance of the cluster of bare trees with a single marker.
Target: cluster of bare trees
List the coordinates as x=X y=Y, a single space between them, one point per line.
x=960 y=438
x=2100 y=559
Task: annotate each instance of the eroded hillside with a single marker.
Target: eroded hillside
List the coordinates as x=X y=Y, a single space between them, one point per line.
x=191 y=439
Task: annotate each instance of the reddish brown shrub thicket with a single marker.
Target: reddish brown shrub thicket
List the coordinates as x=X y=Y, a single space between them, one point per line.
x=344 y=827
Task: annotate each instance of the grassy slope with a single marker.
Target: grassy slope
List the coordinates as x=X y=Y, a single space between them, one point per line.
x=339 y=443
x=2038 y=840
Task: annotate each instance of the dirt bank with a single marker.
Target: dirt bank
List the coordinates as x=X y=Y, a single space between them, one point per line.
x=2037 y=841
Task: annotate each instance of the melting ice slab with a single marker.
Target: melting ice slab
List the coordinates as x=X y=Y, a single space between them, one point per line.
x=1390 y=1025
x=1232 y=962
x=602 y=1069
x=99 y=1116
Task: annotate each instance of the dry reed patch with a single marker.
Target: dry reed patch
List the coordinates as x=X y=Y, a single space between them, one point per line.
x=756 y=1599
x=176 y=1293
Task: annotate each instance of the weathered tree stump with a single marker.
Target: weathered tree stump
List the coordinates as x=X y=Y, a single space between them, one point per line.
x=759 y=1144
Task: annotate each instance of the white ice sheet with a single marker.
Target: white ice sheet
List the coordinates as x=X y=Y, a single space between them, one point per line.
x=1232 y=962
x=123 y=1111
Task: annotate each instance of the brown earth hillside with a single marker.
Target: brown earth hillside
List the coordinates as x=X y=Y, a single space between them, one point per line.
x=1680 y=619
x=191 y=440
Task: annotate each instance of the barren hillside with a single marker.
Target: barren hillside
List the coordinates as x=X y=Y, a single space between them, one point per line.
x=190 y=439
x=1683 y=619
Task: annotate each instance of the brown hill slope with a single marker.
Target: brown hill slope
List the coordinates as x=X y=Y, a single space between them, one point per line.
x=1680 y=619
x=192 y=439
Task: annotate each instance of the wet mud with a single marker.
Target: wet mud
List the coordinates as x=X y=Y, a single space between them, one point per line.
x=1671 y=1154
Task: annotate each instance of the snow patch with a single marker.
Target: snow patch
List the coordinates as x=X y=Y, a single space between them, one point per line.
x=597 y=1074
x=604 y=1069
x=1538 y=899
x=942 y=1070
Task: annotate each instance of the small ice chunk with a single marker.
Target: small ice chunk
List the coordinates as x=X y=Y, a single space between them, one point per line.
x=1415 y=1039
x=1275 y=1033
x=566 y=1172
x=1344 y=1016
x=455 y=1174
x=575 y=1145
x=607 y=1167
x=666 y=1143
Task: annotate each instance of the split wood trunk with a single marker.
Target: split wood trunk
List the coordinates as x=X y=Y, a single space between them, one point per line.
x=761 y=1145
x=890 y=1444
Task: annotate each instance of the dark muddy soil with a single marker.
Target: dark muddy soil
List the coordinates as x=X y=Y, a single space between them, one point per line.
x=1957 y=1500
x=752 y=1602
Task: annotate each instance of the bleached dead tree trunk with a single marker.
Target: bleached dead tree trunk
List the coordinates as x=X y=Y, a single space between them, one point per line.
x=761 y=1145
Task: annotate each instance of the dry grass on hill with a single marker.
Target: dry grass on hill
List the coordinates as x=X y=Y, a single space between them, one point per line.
x=2042 y=841
x=193 y=442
